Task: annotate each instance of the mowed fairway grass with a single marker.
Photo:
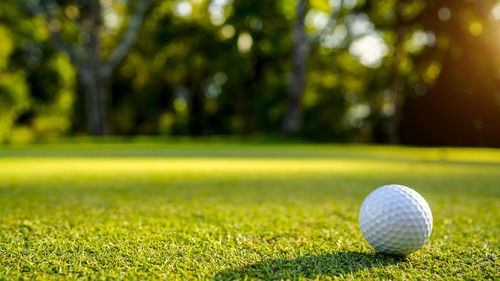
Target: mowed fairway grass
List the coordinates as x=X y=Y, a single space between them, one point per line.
x=237 y=211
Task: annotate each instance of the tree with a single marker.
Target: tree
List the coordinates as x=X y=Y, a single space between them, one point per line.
x=94 y=71
x=301 y=46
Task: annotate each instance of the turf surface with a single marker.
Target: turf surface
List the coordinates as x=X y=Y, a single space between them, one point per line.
x=235 y=211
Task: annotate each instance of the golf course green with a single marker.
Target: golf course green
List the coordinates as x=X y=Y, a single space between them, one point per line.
x=225 y=211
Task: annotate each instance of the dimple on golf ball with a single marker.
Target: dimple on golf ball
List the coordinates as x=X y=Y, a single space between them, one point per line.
x=395 y=220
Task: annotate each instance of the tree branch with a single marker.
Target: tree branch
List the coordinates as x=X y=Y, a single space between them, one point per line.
x=64 y=47
x=41 y=8
x=128 y=39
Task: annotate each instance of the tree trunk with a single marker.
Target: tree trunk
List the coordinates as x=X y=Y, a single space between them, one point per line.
x=96 y=87
x=397 y=82
x=301 y=46
x=94 y=73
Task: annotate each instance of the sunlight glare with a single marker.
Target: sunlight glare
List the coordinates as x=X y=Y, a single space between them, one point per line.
x=369 y=50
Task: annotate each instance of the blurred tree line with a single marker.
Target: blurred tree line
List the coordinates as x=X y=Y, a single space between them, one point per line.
x=410 y=71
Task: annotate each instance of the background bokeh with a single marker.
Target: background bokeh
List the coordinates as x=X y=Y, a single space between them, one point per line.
x=400 y=71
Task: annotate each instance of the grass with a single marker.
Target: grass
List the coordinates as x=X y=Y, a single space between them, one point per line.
x=237 y=211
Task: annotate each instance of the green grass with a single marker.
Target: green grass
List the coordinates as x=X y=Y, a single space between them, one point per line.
x=237 y=211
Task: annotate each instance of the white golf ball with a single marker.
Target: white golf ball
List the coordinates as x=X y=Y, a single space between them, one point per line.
x=395 y=220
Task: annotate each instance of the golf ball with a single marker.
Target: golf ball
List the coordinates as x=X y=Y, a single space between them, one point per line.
x=395 y=220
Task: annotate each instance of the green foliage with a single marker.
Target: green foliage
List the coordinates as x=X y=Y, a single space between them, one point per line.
x=36 y=83
x=211 y=210
x=53 y=117
x=222 y=67
x=14 y=96
x=188 y=69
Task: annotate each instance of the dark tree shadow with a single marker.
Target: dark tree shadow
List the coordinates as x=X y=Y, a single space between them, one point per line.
x=330 y=264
